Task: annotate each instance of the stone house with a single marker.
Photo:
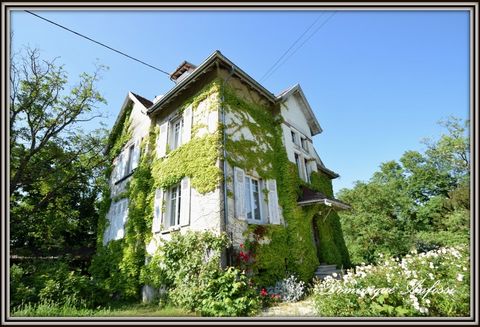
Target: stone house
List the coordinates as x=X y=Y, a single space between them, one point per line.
x=224 y=154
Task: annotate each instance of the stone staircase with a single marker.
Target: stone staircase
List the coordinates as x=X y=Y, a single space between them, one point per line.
x=325 y=270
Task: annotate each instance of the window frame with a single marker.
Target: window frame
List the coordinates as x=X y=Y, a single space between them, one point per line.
x=304 y=143
x=173 y=124
x=174 y=221
x=248 y=188
x=294 y=136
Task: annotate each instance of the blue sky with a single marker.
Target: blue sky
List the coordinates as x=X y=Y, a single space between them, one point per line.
x=378 y=81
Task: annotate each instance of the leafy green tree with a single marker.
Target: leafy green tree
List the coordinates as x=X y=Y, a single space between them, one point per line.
x=421 y=201
x=54 y=162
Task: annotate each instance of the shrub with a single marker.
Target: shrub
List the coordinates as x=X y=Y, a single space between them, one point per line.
x=435 y=283
x=290 y=289
x=189 y=267
x=228 y=293
x=50 y=282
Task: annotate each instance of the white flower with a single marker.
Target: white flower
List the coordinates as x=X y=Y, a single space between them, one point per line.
x=431 y=265
x=431 y=276
x=459 y=277
x=427 y=301
x=423 y=310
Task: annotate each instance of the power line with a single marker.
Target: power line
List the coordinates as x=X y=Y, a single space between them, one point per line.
x=293 y=44
x=298 y=48
x=99 y=43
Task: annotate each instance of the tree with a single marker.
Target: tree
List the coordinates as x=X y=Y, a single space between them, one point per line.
x=421 y=201
x=54 y=163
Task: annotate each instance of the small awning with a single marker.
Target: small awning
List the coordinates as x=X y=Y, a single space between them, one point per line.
x=310 y=197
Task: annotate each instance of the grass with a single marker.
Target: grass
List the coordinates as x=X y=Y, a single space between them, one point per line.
x=132 y=310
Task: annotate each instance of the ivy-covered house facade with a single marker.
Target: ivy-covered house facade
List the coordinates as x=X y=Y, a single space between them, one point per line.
x=219 y=152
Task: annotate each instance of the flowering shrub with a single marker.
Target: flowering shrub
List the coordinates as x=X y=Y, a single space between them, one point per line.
x=289 y=289
x=268 y=298
x=188 y=266
x=435 y=283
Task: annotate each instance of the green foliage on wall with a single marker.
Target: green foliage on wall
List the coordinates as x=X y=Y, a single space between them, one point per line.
x=196 y=159
x=332 y=248
x=116 y=266
x=277 y=248
x=320 y=182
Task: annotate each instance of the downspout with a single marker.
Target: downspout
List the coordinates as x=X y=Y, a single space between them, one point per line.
x=225 y=198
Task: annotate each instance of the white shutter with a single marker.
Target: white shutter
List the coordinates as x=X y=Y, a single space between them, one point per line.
x=212 y=121
x=187 y=124
x=157 y=211
x=136 y=154
x=185 y=202
x=302 y=168
x=239 y=191
x=120 y=166
x=273 y=211
x=162 y=140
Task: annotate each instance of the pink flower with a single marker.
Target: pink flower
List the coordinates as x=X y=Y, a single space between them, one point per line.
x=263 y=292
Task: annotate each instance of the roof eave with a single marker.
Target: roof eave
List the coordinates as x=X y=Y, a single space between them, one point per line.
x=217 y=55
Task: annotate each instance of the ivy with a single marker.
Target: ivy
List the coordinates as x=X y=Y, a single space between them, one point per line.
x=196 y=159
x=278 y=249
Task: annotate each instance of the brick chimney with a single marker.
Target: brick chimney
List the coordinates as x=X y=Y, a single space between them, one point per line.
x=182 y=71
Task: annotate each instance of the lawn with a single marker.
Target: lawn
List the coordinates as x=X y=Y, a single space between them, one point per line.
x=132 y=310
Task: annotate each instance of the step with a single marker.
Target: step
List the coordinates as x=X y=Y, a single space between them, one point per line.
x=327 y=267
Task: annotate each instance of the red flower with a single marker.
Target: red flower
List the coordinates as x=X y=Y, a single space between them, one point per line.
x=263 y=292
x=241 y=245
x=244 y=256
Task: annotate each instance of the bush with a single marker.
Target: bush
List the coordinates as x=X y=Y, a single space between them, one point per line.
x=228 y=293
x=189 y=267
x=50 y=282
x=290 y=289
x=434 y=283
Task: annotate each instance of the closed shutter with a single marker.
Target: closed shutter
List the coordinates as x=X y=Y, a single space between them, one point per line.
x=162 y=140
x=120 y=166
x=212 y=121
x=187 y=125
x=157 y=211
x=185 y=202
x=136 y=154
x=239 y=190
x=273 y=211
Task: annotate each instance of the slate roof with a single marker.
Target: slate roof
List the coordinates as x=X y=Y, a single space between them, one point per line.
x=147 y=103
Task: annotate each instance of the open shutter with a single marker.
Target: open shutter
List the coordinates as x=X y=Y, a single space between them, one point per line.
x=302 y=168
x=136 y=154
x=185 y=202
x=162 y=140
x=273 y=211
x=120 y=166
x=187 y=124
x=239 y=190
x=157 y=211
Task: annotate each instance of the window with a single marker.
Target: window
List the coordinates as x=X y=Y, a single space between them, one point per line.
x=176 y=134
x=304 y=144
x=252 y=199
x=294 y=137
x=174 y=205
